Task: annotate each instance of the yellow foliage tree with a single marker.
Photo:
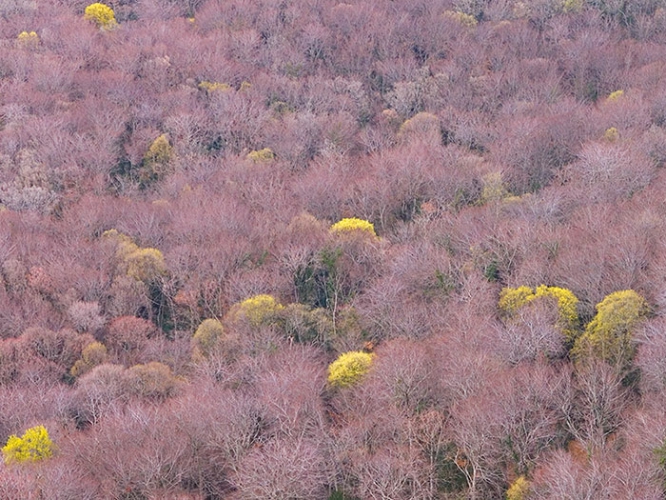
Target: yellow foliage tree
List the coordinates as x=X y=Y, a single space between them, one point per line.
x=28 y=39
x=142 y=264
x=214 y=86
x=615 y=96
x=611 y=134
x=145 y=264
x=353 y=225
x=512 y=299
x=258 y=310
x=265 y=155
x=160 y=151
x=207 y=336
x=157 y=161
x=101 y=14
x=92 y=355
x=153 y=380
x=609 y=335
x=33 y=446
x=420 y=123
x=124 y=242
x=493 y=188
x=349 y=368
x=462 y=18
x=519 y=489
x=572 y=6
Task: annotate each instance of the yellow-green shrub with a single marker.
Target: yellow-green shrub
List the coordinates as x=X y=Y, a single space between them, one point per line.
x=519 y=489
x=207 y=336
x=258 y=310
x=609 y=335
x=214 y=86
x=355 y=225
x=145 y=264
x=493 y=188
x=156 y=162
x=572 y=5
x=265 y=155
x=349 y=368
x=462 y=18
x=567 y=305
x=420 y=123
x=611 y=134
x=305 y=324
x=142 y=264
x=614 y=96
x=101 y=14
x=160 y=151
x=28 y=39
x=512 y=299
x=124 y=244
x=33 y=446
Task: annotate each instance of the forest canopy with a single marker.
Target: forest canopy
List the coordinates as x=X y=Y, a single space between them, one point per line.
x=332 y=250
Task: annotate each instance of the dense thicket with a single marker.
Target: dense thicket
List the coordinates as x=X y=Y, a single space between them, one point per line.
x=205 y=203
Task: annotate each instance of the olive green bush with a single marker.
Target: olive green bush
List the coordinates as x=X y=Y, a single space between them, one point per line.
x=93 y=354
x=206 y=337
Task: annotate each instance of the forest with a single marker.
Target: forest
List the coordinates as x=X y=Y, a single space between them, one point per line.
x=332 y=249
